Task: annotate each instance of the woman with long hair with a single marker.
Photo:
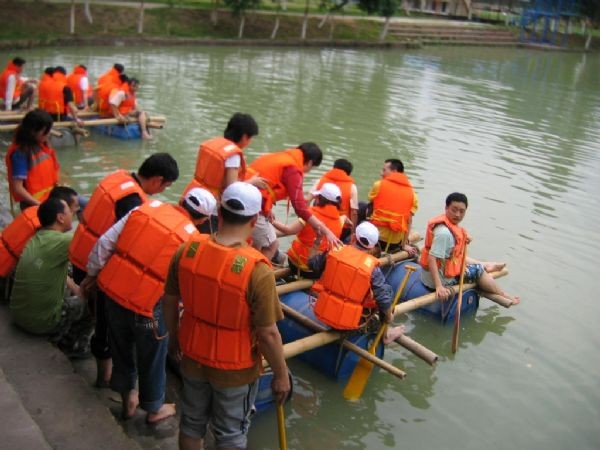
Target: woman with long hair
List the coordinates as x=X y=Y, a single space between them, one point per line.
x=31 y=163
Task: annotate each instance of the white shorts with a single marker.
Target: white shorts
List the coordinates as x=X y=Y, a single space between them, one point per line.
x=263 y=233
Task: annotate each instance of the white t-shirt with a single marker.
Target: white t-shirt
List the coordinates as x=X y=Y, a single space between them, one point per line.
x=233 y=162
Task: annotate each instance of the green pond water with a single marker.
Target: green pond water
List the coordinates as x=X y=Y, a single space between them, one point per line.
x=516 y=130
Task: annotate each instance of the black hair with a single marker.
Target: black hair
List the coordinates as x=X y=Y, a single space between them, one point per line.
x=232 y=218
x=185 y=204
x=64 y=193
x=60 y=69
x=49 y=210
x=322 y=201
x=119 y=67
x=457 y=197
x=311 y=152
x=395 y=164
x=33 y=122
x=161 y=165
x=18 y=61
x=49 y=70
x=343 y=164
x=124 y=78
x=82 y=66
x=133 y=80
x=239 y=125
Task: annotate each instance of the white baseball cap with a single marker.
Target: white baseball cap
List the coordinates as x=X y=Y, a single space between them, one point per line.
x=367 y=234
x=201 y=201
x=247 y=195
x=330 y=191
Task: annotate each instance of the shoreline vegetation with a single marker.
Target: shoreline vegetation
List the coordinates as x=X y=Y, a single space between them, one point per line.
x=40 y=23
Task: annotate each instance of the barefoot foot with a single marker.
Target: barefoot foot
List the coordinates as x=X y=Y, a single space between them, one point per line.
x=165 y=411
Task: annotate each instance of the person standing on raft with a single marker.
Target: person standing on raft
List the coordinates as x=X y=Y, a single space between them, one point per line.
x=445 y=244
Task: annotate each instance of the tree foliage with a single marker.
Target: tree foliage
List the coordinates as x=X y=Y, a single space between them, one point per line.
x=385 y=8
x=239 y=7
x=591 y=10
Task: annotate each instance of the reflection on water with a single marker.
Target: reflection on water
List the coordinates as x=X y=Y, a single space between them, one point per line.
x=516 y=130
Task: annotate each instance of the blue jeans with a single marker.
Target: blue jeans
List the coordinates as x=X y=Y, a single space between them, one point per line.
x=136 y=351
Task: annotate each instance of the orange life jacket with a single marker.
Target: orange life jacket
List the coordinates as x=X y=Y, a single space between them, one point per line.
x=14 y=238
x=104 y=90
x=393 y=203
x=345 y=182
x=452 y=266
x=215 y=327
x=270 y=166
x=210 y=163
x=344 y=288
x=74 y=80
x=135 y=274
x=298 y=252
x=42 y=175
x=111 y=76
x=11 y=69
x=128 y=103
x=44 y=89
x=99 y=214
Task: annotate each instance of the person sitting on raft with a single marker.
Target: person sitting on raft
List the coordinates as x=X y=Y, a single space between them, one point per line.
x=352 y=286
x=445 y=245
x=32 y=166
x=56 y=97
x=79 y=83
x=326 y=209
x=340 y=176
x=16 y=91
x=123 y=104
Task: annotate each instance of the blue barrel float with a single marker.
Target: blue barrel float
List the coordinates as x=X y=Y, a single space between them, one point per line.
x=120 y=131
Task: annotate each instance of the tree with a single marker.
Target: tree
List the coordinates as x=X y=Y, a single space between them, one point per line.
x=277 y=13
x=72 y=18
x=140 y=27
x=385 y=8
x=239 y=8
x=305 y=21
x=332 y=7
x=591 y=10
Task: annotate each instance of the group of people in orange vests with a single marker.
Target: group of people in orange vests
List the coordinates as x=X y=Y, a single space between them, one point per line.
x=64 y=95
x=194 y=280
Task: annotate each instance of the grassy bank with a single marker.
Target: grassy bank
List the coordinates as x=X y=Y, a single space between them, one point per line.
x=43 y=21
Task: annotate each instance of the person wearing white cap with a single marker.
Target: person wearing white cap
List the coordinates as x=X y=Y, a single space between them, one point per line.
x=340 y=176
x=130 y=264
x=351 y=284
x=307 y=241
x=230 y=306
x=115 y=196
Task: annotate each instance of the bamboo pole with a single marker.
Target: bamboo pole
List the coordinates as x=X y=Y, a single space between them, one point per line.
x=417 y=349
x=320 y=330
x=87 y=123
x=419 y=302
x=10 y=115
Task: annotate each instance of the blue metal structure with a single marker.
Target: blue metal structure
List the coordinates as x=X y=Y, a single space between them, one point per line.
x=548 y=14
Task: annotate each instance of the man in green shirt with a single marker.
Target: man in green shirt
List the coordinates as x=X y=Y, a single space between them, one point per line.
x=38 y=303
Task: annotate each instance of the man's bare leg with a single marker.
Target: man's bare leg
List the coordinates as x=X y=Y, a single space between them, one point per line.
x=487 y=283
x=489 y=266
x=143 y=121
x=103 y=372
x=189 y=443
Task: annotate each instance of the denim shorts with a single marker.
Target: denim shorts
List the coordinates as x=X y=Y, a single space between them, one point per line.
x=227 y=409
x=472 y=274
